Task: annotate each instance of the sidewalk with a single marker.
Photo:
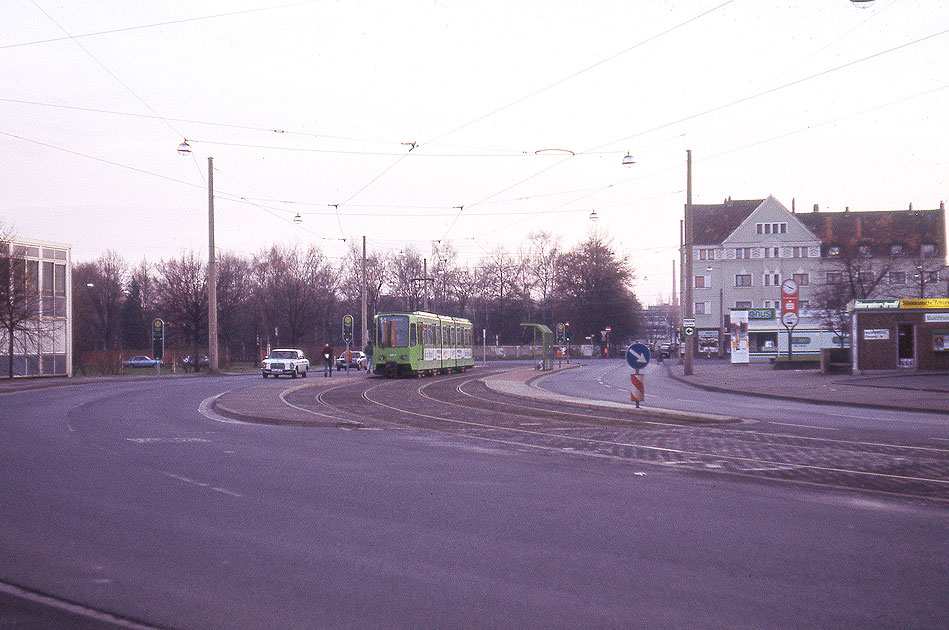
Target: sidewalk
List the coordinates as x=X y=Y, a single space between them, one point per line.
x=905 y=391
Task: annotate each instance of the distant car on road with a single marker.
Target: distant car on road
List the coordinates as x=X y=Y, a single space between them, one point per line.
x=664 y=350
x=141 y=362
x=357 y=360
x=286 y=361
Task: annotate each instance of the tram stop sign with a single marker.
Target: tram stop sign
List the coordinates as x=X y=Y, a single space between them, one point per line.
x=637 y=356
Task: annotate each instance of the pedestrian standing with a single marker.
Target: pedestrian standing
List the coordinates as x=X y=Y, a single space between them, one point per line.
x=368 y=352
x=327 y=361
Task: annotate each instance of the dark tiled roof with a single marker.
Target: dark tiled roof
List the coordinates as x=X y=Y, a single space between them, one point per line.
x=879 y=230
x=715 y=222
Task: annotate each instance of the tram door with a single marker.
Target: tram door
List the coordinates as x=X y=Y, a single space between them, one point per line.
x=906 y=345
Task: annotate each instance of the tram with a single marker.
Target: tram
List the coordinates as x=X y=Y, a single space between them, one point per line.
x=412 y=344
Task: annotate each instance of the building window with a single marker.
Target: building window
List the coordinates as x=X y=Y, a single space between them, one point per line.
x=700 y=308
x=928 y=249
x=833 y=251
x=742 y=304
x=743 y=280
x=706 y=254
x=835 y=277
x=743 y=252
x=800 y=252
x=772 y=279
x=700 y=282
x=802 y=279
x=760 y=228
x=897 y=277
x=896 y=250
x=784 y=228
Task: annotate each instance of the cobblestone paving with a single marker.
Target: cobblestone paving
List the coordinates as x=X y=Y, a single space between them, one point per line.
x=464 y=406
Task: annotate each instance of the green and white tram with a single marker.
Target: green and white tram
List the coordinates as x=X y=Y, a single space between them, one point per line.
x=422 y=343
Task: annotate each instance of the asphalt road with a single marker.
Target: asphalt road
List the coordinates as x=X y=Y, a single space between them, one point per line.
x=124 y=499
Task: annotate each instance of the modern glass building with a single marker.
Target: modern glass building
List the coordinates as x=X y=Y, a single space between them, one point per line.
x=36 y=298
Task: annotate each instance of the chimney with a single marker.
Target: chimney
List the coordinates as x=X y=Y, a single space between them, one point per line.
x=793 y=205
x=910 y=206
x=846 y=209
x=942 y=206
x=816 y=208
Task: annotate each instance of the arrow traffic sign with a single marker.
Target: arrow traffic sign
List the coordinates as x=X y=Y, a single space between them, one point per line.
x=637 y=356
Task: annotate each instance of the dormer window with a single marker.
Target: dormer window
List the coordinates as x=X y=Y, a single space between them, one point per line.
x=865 y=251
x=833 y=251
x=771 y=228
x=896 y=250
x=927 y=249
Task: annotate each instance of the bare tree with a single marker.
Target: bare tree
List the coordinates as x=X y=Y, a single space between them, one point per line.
x=99 y=299
x=405 y=280
x=234 y=297
x=544 y=251
x=182 y=291
x=296 y=292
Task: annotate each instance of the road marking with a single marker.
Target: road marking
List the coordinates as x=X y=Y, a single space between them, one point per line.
x=167 y=440
x=202 y=484
x=800 y=426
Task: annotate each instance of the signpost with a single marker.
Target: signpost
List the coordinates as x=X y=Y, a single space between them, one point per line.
x=347 y=337
x=637 y=356
x=158 y=342
x=789 y=314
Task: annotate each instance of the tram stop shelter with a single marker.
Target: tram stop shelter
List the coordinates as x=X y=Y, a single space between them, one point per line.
x=900 y=334
x=543 y=353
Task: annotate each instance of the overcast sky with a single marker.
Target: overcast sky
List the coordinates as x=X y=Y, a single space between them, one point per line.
x=520 y=112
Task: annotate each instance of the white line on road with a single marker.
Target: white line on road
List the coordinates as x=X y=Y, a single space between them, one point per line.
x=799 y=426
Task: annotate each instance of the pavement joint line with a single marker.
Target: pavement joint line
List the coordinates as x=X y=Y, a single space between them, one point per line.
x=66 y=606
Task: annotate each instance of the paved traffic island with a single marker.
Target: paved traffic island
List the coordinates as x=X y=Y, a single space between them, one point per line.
x=904 y=391
x=524 y=384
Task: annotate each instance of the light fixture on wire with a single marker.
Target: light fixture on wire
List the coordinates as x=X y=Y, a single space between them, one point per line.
x=628 y=160
x=298 y=219
x=184 y=148
x=863 y=4
x=593 y=216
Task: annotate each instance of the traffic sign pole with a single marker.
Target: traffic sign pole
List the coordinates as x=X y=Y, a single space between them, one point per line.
x=637 y=356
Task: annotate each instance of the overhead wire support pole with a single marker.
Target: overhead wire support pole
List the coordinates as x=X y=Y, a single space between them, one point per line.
x=689 y=305
x=212 y=276
x=362 y=291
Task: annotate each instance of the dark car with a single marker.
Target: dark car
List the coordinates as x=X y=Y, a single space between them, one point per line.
x=141 y=362
x=188 y=361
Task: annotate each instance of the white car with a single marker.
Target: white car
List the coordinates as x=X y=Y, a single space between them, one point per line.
x=287 y=361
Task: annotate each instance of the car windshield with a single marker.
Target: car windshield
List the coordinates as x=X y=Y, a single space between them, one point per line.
x=283 y=354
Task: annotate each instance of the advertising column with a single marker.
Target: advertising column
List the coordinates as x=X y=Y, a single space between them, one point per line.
x=739 y=330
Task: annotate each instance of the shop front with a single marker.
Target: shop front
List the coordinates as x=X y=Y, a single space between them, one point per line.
x=900 y=334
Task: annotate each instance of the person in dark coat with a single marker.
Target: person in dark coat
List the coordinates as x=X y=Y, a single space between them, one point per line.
x=368 y=352
x=327 y=360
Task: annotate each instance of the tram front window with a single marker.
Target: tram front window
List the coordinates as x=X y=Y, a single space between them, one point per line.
x=393 y=331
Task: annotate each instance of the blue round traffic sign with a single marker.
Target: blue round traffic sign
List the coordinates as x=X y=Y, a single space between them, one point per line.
x=637 y=355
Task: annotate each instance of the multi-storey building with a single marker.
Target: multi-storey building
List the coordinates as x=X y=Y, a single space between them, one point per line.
x=743 y=250
x=36 y=295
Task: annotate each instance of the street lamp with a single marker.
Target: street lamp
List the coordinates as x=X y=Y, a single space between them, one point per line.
x=185 y=149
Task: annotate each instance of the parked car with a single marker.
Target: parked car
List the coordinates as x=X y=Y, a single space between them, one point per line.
x=285 y=361
x=664 y=350
x=357 y=360
x=141 y=362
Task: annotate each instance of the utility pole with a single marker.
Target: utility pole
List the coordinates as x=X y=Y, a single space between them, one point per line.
x=212 y=278
x=689 y=305
x=362 y=292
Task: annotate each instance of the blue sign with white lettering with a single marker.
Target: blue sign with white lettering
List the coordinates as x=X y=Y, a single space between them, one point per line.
x=637 y=355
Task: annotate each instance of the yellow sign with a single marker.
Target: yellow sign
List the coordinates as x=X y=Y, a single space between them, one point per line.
x=927 y=303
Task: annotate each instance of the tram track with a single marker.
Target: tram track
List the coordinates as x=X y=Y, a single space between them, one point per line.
x=463 y=406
